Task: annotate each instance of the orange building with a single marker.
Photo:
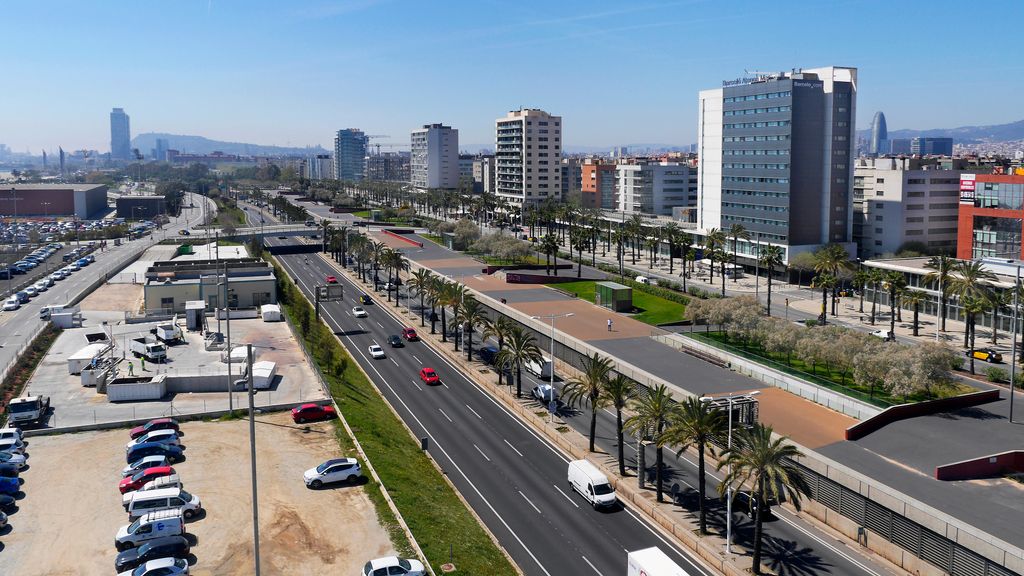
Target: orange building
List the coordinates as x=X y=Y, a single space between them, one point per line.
x=598 y=185
x=990 y=223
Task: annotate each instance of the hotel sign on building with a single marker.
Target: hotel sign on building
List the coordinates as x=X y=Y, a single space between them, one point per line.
x=967 y=186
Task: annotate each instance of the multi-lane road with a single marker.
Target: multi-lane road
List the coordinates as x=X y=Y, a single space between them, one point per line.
x=514 y=479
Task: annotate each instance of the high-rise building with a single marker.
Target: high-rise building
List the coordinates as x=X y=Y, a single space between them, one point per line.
x=879 y=135
x=318 y=167
x=597 y=184
x=434 y=162
x=901 y=200
x=776 y=157
x=120 y=135
x=528 y=149
x=350 y=155
x=931 y=146
x=388 y=167
x=654 y=188
x=483 y=174
x=160 y=150
x=899 y=146
x=572 y=177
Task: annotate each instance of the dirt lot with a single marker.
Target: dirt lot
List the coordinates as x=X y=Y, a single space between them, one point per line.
x=114 y=298
x=71 y=498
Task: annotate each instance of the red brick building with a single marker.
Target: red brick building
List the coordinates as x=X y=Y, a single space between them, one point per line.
x=598 y=185
x=52 y=200
x=991 y=217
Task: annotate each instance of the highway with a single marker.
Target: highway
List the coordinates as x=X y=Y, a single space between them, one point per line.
x=514 y=480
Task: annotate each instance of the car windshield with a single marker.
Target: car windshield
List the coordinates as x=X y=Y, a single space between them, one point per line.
x=405 y=564
x=322 y=467
x=185 y=496
x=21 y=407
x=5 y=456
x=140 y=571
x=601 y=489
x=134 y=526
x=138 y=475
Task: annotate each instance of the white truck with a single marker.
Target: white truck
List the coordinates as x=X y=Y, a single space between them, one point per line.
x=168 y=332
x=27 y=410
x=150 y=349
x=652 y=562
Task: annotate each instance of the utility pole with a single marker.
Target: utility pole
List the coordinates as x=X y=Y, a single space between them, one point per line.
x=227 y=311
x=252 y=459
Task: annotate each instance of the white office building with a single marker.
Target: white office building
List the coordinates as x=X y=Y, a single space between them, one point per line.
x=528 y=152
x=654 y=188
x=434 y=162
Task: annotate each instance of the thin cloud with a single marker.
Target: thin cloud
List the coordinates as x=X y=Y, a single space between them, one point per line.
x=327 y=10
x=608 y=13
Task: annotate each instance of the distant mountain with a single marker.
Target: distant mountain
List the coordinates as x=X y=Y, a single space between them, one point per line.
x=201 y=145
x=964 y=134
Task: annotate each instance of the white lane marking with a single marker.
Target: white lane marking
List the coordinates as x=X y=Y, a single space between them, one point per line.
x=514 y=448
x=417 y=385
x=528 y=501
x=592 y=567
x=417 y=359
x=445 y=385
x=379 y=324
x=571 y=501
x=393 y=360
x=446 y=416
x=474 y=412
x=481 y=452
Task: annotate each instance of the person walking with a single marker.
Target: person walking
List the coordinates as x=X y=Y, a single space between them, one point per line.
x=131 y=368
x=609 y=324
x=142 y=361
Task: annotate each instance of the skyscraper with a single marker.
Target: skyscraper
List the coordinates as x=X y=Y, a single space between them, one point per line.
x=120 y=135
x=350 y=155
x=527 y=154
x=434 y=162
x=931 y=146
x=775 y=157
x=160 y=150
x=879 y=135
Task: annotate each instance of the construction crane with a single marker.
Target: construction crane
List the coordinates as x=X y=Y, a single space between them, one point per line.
x=375 y=136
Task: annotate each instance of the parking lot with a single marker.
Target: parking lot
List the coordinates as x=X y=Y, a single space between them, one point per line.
x=66 y=521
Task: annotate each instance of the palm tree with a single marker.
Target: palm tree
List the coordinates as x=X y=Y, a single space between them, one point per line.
x=972 y=306
x=697 y=424
x=941 y=269
x=399 y=263
x=672 y=235
x=875 y=279
x=712 y=244
x=619 y=390
x=520 y=348
x=377 y=249
x=685 y=242
x=549 y=245
x=736 y=232
x=913 y=299
x=421 y=281
x=895 y=282
x=636 y=229
x=652 y=411
x=998 y=300
x=471 y=314
x=768 y=465
x=619 y=237
x=442 y=295
x=861 y=278
x=457 y=295
x=831 y=259
x=826 y=282
x=499 y=328
x=970 y=280
x=579 y=239
x=589 y=388
x=770 y=258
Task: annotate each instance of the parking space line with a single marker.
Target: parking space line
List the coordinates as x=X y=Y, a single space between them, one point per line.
x=446 y=416
x=514 y=449
x=571 y=501
x=445 y=385
x=481 y=452
x=528 y=501
x=473 y=411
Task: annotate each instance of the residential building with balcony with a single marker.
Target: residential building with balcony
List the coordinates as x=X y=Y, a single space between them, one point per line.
x=654 y=188
x=434 y=161
x=597 y=184
x=527 y=155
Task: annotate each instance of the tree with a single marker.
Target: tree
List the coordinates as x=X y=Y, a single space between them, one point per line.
x=767 y=464
x=697 y=424
x=913 y=299
x=860 y=281
x=499 y=328
x=421 y=281
x=770 y=258
x=549 y=245
x=589 y=388
x=471 y=313
x=826 y=282
x=941 y=268
x=832 y=259
x=895 y=282
x=972 y=305
x=970 y=281
x=737 y=232
x=579 y=239
x=673 y=236
x=712 y=243
x=998 y=300
x=652 y=410
x=520 y=348
x=619 y=390
x=875 y=279
x=443 y=297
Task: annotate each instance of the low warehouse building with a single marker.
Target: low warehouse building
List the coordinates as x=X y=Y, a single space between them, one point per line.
x=169 y=285
x=141 y=207
x=53 y=200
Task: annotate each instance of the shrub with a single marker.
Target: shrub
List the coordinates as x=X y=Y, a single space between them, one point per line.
x=997 y=374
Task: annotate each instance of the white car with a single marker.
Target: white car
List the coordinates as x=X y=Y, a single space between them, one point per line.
x=57 y=276
x=337 y=470
x=376 y=352
x=544 y=393
x=885 y=335
x=393 y=565
x=161 y=436
x=160 y=567
x=14 y=459
x=31 y=291
x=12 y=445
x=12 y=303
x=41 y=286
x=358 y=312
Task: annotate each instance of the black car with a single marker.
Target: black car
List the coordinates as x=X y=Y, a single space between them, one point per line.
x=395 y=341
x=8 y=471
x=138 y=451
x=166 y=547
x=365 y=299
x=7 y=502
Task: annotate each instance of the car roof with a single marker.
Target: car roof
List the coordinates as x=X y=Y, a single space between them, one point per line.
x=160 y=563
x=384 y=562
x=157 y=469
x=334 y=461
x=160 y=445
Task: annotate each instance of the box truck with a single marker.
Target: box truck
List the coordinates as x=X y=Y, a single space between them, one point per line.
x=27 y=410
x=150 y=349
x=652 y=562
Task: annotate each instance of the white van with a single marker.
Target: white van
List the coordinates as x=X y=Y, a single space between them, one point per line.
x=540 y=369
x=160 y=483
x=148 y=501
x=46 y=311
x=591 y=483
x=643 y=280
x=151 y=526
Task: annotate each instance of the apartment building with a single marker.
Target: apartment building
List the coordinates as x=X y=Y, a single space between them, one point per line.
x=350 y=155
x=572 y=177
x=654 y=188
x=528 y=150
x=318 y=167
x=434 y=162
x=483 y=174
x=597 y=184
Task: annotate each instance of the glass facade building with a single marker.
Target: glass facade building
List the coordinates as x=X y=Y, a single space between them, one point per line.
x=991 y=216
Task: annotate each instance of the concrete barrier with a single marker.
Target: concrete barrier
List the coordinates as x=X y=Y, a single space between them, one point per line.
x=982 y=467
x=906 y=411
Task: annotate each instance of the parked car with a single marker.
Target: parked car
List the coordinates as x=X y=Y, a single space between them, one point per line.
x=13 y=458
x=410 y=334
x=359 y=312
x=31 y=291
x=10 y=486
x=987 y=354
x=3 y=520
x=376 y=352
x=307 y=412
x=166 y=547
x=336 y=470
x=545 y=394
x=172 y=452
x=184 y=233
x=429 y=376
x=885 y=335
x=394 y=566
x=12 y=304
x=8 y=503
x=157 y=424
x=143 y=463
x=142 y=503
x=160 y=436
x=9 y=471
x=159 y=567
x=395 y=341
x=12 y=445
x=136 y=481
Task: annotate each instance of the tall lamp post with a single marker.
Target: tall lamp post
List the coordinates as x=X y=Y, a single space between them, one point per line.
x=1013 y=346
x=552 y=318
x=728 y=498
x=247 y=382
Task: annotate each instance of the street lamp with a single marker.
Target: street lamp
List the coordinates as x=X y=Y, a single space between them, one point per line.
x=1013 y=346
x=552 y=318
x=728 y=499
x=247 y=381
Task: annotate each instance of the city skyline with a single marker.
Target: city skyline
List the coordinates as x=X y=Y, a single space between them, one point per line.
x=255 y=72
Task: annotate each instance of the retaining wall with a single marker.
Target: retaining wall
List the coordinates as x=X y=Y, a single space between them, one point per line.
x=905 y=411
x=983 y=467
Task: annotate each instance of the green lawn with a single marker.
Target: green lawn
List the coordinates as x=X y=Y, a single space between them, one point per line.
x=362 y=214
x=650 y=309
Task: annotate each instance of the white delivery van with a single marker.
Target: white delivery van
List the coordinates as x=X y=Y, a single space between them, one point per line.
x=643 y=280
x=591 y=483
x=46 y=311
x=161 y=483
x=652 y=562
x=148 y=527
x=540 y=369
x=148 y=501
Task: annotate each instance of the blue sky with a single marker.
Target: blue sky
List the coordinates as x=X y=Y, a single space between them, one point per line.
x=292 y=72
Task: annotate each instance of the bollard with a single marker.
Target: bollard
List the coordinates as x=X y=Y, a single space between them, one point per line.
x=424 y=443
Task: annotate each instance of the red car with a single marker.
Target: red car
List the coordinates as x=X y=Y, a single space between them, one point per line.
x=409 y=334
x=308 y=412
x=135 y=481
x=332 y=280
x=157 y=424
x=429 y=376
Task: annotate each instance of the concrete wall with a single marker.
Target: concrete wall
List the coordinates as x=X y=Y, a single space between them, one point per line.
x=905 y=411
x=984 y=467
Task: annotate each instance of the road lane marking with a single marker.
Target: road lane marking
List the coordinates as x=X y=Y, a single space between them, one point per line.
x=445 y=385
x=592 y=567
x=528 y=501
x=481 y=452
x=417 y=385
x=514 y=448
x=393 y=360
x=446 y=416
x=474 y=412
x=417 y=359
x=571 y=501
x=379 y=324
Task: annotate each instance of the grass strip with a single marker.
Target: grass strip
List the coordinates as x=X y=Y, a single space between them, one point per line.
x=653 y=309
x=433 y=511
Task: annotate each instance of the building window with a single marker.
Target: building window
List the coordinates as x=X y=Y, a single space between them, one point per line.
x=878 y=218
x=167 y=303
x=879 y=180
x=879 y=193
x=996 y=237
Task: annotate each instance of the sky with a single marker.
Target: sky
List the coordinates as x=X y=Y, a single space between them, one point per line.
x=291 y=73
